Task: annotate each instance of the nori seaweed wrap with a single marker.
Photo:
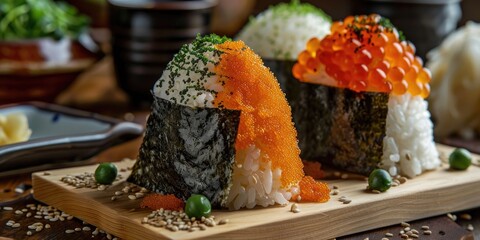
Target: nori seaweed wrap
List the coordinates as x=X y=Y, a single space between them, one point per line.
x=343 y=128
x=192 y=151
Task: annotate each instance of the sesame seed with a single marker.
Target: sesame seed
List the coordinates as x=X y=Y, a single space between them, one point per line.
x=223 y=221
x=405 y=224
x=453 y=217
x=466 y=216
x=69 y=231
x=470 y=227
x=7 y=208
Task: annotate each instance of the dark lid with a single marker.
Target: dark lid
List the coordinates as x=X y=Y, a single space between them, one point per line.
x=165 y=4
x=416 y=1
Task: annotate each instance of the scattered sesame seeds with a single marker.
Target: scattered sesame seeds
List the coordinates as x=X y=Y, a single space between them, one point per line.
x=388 y=234
x=179 y=221
x=85 y=180
x=7 y=208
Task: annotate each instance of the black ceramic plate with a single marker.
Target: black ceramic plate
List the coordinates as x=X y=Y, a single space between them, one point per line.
x=61 y=137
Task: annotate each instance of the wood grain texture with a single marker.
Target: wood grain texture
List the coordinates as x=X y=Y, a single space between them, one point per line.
x=433 y=193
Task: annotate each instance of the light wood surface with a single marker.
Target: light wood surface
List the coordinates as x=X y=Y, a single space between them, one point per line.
x=433 y=193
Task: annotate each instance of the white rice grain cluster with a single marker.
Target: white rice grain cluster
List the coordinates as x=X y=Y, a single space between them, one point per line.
x=282 y=31
x=408 y=147
x=256 y=183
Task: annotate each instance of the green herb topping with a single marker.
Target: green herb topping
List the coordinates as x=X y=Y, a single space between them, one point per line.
x=297 y=8
x=191 y=68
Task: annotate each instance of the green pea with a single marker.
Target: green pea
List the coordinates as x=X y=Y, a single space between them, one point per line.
x=380 y=180
x=198 y=206
x=460 y=159
x=106 y=173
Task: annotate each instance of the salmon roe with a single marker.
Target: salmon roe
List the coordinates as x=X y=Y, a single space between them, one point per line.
x=265 y=119
x=167 y=202
x=364 y=53
x=313 y=191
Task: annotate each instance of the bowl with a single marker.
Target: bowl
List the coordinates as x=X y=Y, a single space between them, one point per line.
x=61 y=136
x=40 y=69
x=424 y=22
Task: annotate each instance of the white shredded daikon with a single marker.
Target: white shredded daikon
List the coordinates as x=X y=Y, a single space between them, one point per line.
x=455 y=86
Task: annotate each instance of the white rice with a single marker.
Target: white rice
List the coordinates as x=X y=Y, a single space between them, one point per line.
x=256 y=183
x=282 y=36
x=408 y=147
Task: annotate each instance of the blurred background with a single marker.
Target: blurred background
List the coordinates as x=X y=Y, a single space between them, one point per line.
x=126 y=44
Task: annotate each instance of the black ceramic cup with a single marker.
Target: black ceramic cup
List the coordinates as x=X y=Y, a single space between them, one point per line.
x=147 y=33
x=424 y=22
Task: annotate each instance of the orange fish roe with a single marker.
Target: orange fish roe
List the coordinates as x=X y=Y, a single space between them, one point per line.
x=265 y=120
x=313 y=191
x=167 y=202
x=313 y=169
x=364 y=53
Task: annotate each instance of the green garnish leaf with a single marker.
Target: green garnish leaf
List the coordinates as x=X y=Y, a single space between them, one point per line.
x=27 y=19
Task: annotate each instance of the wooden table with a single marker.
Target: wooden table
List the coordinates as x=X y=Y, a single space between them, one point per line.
x=96 y=91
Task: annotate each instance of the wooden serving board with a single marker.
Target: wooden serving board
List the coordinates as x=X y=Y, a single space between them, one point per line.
x=433 y=193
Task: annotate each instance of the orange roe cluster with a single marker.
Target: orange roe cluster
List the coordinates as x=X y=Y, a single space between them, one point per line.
x=313 y=169
x=364 y=53
x=313 y=191
x=167 y=202
x=265 y=119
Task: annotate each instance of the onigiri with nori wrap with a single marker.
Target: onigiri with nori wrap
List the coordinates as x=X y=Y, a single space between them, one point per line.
x=362 y=102
x=220 y=126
